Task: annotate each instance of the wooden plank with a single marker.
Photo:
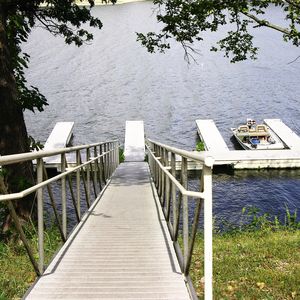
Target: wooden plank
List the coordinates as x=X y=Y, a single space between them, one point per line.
x=134 y=141
x=286 y=134
x=211 y=136
x=123 y=250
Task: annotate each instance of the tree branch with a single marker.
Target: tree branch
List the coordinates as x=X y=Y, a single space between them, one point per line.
x=266 y=23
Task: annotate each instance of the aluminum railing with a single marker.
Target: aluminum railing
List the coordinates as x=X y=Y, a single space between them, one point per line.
x=93 y=174
x=175 y=198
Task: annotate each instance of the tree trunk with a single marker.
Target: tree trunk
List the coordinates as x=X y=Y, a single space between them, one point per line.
x=13 y=133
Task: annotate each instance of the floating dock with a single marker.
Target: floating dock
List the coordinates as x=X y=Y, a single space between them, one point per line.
x=211 y=136
x=134 y=149
x=250 y=159
x=286 y=134
x=59 y=138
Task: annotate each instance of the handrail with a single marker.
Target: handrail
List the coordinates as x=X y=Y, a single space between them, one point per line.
x=201 y=157
x=175 y=197
x=91 y=174
x=21 y=157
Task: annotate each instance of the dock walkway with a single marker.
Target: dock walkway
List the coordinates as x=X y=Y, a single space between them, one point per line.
x=122 y=250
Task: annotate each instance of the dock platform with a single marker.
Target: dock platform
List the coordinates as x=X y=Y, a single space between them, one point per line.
x=134 y=149
x=286 y=134
x=122 y=250
x=59 y=138
x=211 y=136
x=250 y=159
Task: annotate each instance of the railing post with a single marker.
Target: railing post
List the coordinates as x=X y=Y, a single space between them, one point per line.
x=185 y=214
x=101 y=166
x=40 y=208
x=109 y=159
x=173 y=195
x=63 y=196
x=208 y=232
x=78 y=183
x=117 y=154
x=88 y=175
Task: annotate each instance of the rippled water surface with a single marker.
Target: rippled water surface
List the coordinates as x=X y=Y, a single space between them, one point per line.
x=100 y=86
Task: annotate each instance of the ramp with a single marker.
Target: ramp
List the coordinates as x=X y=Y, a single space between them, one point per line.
x=123 y=250
x=134 y=141
x=211 y=136
x=286 y=134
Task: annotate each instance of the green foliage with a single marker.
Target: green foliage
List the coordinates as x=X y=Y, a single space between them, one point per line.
x=17 y=273
x=252 y=220
x=251 y=265
x=121 y=155
x=200 y=146
x=185 y=21
x=34 y=145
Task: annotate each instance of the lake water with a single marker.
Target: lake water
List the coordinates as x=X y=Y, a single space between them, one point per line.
x=100 y=86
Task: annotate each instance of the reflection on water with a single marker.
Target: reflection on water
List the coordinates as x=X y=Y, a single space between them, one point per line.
x=102 y=85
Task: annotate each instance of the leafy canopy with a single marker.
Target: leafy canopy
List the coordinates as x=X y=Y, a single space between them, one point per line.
x=186 y=20
x=60 y=17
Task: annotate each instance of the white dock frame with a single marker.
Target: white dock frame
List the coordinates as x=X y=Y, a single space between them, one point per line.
x=242 y=159
x=134 y=149
x=211 y=136
x=59 y=138
x=286 y=134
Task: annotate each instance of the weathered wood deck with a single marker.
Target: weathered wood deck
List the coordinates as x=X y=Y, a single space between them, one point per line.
x=122 y=250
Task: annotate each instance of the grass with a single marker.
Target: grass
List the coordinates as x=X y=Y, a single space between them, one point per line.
x=17 y=273
x=261 y=260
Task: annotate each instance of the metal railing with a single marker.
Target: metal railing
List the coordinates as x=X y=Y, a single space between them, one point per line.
x=101 y=159
x=175 y=198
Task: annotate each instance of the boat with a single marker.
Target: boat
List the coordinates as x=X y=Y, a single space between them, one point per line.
x=252 y=136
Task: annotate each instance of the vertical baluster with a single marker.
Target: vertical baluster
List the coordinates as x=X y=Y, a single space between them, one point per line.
x=94 y=168
x=173 y=194
x=163 y=178
x=117 y=153
x=109 y=160
x=185 y=214
x=63 y=196
x=88 y=175
x=208 y=228
x=78 y=183
x=168 y=190
x=102 y=164
x=159 y=173
x=98 y=168
x=40 y=208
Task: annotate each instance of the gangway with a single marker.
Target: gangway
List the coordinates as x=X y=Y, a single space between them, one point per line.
x=126 y=245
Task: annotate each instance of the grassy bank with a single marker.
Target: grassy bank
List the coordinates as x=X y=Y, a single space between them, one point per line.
x=261 y=264
x=17 y=273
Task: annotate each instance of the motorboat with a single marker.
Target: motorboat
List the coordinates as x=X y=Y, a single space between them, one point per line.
x=252 y=136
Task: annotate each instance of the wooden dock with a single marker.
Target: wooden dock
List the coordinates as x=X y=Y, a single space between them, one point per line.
x=250 y=159
x=122 y=250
